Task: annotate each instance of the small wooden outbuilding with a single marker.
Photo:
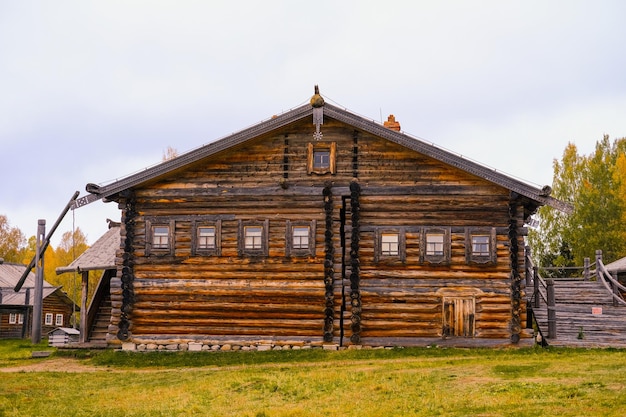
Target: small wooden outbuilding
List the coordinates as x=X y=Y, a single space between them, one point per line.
x=63 y=336
x=16 y=307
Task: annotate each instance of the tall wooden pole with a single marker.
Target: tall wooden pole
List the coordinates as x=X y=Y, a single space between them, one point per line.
x=38 y=299
x=83 y=307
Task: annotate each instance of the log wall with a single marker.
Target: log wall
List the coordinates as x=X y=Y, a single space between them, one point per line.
x=342 y=292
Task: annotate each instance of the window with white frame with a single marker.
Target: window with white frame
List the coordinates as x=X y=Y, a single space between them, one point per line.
x=20 y=318
x=58 y=321
x=12 y=318
x=480 y=245
x=435 y=245
x=300 y=238
x=160 y=237
x=389 y=245
x=253 y=238
x=206 y=237
x=48 y=319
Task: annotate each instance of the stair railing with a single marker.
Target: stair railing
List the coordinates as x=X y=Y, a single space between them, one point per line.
x=610 y=283
x=549 y=298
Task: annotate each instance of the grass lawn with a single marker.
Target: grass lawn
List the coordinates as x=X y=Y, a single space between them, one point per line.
x=397 y=382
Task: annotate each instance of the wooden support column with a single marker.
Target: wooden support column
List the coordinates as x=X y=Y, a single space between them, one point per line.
x=551 y=309
x=586 y=270
x=38 y=299
x=83 y=307
x=536 y=294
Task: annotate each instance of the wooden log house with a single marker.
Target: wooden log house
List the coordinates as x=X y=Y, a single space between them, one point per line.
x=317 y=227
x=16 y=308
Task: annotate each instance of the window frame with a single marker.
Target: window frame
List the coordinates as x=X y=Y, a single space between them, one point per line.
x=58 y=322
x=443 y=258
x=151 y=225
x=12 y=318
x=253 y=252
x=195 y=239
x=290 y=249
x=331 y=148
x=20 y=318
x=379 y=255
x=491 y=256
x=48 y=319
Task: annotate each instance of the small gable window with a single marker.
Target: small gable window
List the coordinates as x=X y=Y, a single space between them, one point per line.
x=321 y=158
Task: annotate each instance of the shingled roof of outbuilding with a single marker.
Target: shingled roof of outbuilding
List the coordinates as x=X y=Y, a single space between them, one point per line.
x=10 y=274
x=100 y=256
x=539 y=195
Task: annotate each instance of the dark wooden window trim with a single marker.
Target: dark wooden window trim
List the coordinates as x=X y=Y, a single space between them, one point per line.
x=150 y=225
x=198 y=251
x=470 y=257
x=289 y=249
x=241 y=238
x=378 y=244
x=443 y=259
x=331 y=147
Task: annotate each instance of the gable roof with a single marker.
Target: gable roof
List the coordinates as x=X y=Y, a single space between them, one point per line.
x=541 y=196
x=100 y=256
x=10 y=273
x=617 y=266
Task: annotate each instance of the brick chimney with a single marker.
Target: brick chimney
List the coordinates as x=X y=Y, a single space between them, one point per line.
x=392 y=124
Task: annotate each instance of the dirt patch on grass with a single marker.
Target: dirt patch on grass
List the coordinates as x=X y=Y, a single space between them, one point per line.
x=53 y=365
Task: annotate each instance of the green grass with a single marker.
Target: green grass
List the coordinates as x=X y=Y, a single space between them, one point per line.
x=398 y=382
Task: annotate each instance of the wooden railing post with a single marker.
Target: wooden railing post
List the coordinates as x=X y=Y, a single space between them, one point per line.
x=586 y=273
x=598 y=260
x=551 y=309
x=536 y=295
x=616 y=292
x=526 y=264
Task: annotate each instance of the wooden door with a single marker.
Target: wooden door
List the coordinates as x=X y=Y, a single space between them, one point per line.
x=458 y=316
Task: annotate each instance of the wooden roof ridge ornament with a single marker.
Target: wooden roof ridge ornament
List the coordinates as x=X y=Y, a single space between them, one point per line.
x=317 y=102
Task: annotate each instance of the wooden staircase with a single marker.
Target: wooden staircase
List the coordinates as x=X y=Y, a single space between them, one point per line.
x=100 y=326
x=585 y=315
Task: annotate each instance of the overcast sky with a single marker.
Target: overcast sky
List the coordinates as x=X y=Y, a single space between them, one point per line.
x=93 y=91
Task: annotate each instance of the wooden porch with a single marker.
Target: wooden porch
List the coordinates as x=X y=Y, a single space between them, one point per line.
x=587 y=311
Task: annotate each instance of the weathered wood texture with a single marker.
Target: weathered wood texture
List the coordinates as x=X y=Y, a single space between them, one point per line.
x=585 y=316
x=177 y=293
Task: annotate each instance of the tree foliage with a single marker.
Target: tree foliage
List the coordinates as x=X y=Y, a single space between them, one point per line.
x=12 y=241
x=595 y=185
